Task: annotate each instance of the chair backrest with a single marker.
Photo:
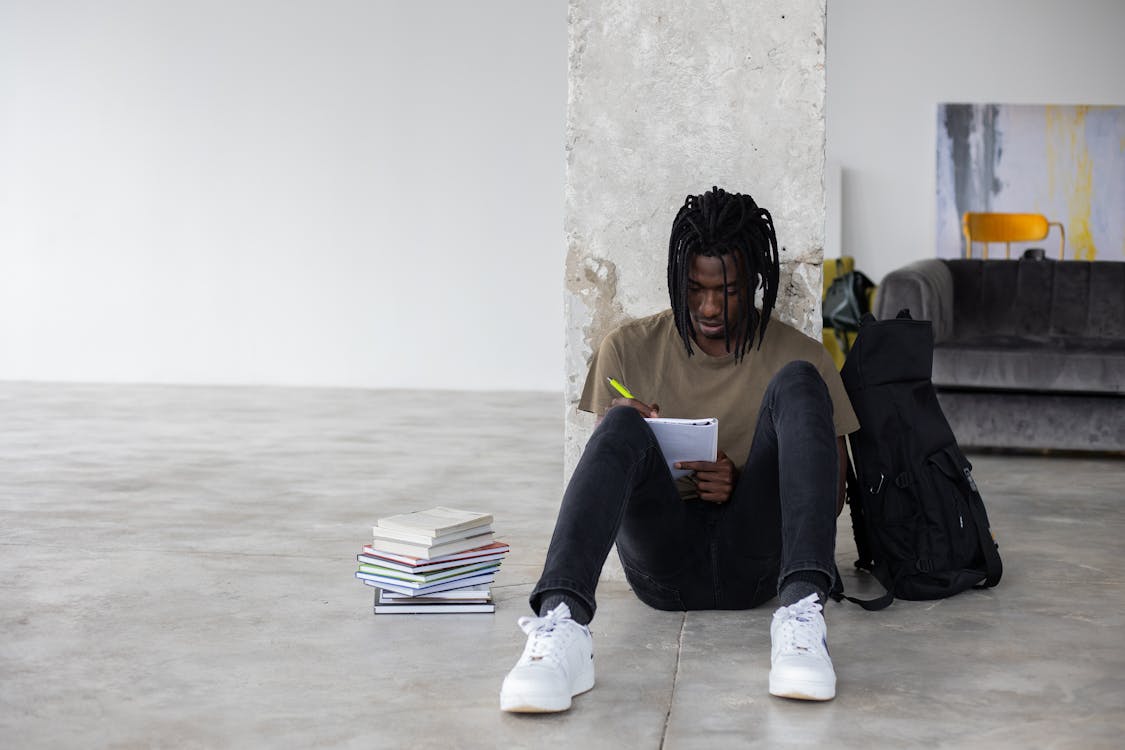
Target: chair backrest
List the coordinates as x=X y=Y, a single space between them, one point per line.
x=1007 y=228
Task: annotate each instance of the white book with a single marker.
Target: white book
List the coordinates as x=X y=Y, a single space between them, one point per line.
x=436 y=521
x=398 y=586
x=414 y=537
x=426 y=552
x=449 y=608
x=481 y=592
x=386 y=562
x=686 y=440
x=413 y=564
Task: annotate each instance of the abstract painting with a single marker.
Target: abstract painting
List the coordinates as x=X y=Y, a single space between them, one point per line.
x=1065 y=162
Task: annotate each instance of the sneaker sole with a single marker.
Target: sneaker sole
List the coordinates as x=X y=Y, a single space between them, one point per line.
x=530 y=703
x=803 y=691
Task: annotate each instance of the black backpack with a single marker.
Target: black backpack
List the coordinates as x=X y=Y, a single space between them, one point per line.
x=919 y=522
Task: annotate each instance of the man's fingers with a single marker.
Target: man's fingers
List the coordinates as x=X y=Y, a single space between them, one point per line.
x=723 y=464
x=695 y=465
x=644 y=409
x=714 y=477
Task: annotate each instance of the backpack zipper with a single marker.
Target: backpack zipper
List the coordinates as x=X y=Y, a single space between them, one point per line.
x=973 y=486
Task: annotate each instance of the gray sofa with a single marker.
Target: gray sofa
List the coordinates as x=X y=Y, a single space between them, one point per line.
x=1029 y=354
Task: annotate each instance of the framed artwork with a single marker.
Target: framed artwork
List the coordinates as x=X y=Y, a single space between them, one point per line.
x=1064 y=162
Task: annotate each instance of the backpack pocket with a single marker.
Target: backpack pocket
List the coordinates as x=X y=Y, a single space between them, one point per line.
x=894 y=520
x=945 y=496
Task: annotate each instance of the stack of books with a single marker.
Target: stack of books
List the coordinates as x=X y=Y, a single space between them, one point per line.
x=440 y=560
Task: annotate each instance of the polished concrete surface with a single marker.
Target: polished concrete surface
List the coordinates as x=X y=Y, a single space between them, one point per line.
x=176 y=571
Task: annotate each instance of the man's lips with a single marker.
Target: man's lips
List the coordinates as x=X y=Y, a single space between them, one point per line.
x=710 y=326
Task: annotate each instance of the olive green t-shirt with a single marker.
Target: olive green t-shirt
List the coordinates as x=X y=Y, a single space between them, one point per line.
x=649 y=358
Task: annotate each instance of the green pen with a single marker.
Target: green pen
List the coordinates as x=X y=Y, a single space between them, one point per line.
x=620 y=389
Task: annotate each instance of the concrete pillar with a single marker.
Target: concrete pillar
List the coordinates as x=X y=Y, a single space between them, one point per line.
x=667 y=99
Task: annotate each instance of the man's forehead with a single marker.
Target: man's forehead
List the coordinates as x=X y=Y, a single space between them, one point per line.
x=710 y=267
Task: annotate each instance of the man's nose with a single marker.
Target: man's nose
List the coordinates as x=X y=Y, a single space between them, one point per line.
x=711 y=306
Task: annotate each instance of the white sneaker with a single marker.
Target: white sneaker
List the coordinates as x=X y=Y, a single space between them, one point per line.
x=801 y=667
x=557 y=664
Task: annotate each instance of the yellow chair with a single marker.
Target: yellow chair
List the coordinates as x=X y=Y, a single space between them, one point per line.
x=1007 y=228
x=832 y=268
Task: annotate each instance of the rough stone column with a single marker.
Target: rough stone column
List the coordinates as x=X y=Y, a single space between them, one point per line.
x=667 y=99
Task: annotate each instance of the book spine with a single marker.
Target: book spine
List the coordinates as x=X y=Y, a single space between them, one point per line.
x=426 y=578
x=403 y=588
x=494 y=548
x=425 y=553
x=434 y=609
x=425 y=539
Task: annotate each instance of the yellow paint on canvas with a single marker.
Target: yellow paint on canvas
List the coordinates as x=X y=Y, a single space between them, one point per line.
x=1054 y=118
x=1074 y=169
x=1080 y=238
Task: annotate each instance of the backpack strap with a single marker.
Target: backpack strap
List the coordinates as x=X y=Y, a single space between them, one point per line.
x=872 y=605
x=863 y=548
x=855 y=510
x=993 y=567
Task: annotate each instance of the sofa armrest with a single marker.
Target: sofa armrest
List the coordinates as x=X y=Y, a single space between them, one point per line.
x=925 y=287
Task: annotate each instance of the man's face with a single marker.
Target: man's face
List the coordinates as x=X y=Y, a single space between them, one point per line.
x=708 y=297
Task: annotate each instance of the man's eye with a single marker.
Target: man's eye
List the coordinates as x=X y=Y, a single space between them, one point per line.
x=732 y=291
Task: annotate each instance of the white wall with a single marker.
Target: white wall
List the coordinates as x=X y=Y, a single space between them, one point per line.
x=342 y=192
x=368 y=192
x=889 y=64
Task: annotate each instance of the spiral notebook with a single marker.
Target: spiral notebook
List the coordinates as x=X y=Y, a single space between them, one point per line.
x=686 y=440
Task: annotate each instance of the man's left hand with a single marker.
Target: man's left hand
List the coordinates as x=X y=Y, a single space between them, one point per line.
x=715 y=479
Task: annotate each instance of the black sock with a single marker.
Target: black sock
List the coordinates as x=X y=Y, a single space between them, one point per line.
x=800 y=584
x=578 y=611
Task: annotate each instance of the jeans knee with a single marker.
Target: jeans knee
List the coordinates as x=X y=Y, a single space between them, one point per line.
x=798 y=378
x=622 y=417
x=622 y=428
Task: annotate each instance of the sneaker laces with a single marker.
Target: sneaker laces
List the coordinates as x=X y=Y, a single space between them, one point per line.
x=546 y=634
x=797 y=628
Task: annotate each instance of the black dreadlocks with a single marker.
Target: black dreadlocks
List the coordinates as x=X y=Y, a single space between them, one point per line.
x=720 y=223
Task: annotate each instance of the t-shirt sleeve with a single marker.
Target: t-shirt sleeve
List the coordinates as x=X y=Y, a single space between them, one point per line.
x=842 y=412
x=606 y=363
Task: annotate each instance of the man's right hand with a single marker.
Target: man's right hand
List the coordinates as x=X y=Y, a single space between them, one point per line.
x=645 y=410
x=649 y=412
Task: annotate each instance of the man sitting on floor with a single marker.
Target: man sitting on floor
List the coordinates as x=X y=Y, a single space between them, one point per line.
x=734 y=533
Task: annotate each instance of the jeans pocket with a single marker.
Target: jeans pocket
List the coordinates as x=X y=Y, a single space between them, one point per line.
x=652 y=592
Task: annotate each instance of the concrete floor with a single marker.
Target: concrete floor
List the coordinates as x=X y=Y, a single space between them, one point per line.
x=176 y=571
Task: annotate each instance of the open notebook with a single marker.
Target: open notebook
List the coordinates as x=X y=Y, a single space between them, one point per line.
x=686 y=440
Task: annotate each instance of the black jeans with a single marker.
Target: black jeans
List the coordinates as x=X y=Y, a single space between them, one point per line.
x=681 y=555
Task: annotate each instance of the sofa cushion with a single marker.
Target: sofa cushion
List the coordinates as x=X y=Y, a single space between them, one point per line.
x=1032 y=363
x=1038 y=298
x=1035 y=421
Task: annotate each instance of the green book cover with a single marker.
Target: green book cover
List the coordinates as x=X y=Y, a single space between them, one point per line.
x=437 y=575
